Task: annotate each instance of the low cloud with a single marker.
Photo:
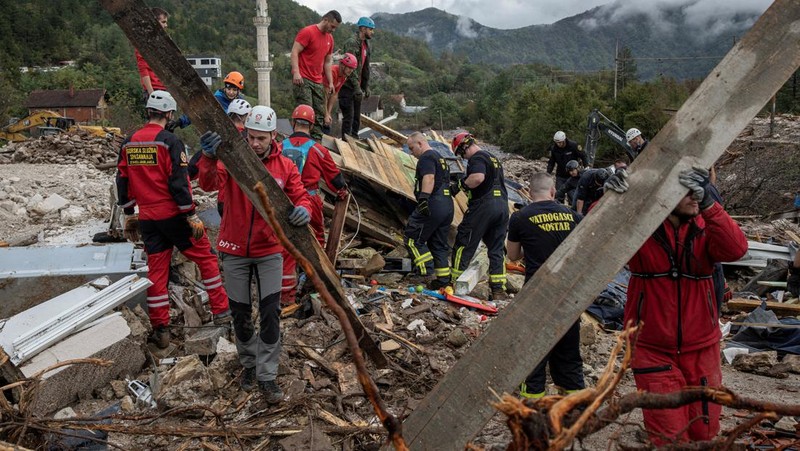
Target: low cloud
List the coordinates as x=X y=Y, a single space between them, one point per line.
x=464 y=27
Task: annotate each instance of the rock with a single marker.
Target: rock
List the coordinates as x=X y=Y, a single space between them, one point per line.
x=3 y=195
x=120 y=388
x=185 y=384
x=127 y=404
x=64 y=413
x=364 y=252
x=793 y=362
x=481 y=291
x=204 y=341
x=388 y=278
x=457 y=338
x=514 y=283
x=9 y=206
x=588 y=333
x=756 y=362
x=54 y=202
x=35 y=199
x=390 y=345
x=787 y=424
x=73 y=215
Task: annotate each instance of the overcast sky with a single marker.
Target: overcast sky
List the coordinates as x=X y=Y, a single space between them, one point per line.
x=520 y=13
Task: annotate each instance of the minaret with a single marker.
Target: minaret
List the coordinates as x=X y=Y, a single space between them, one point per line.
x=263 y=65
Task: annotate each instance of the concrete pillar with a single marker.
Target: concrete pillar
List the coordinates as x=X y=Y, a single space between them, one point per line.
x=263 y=65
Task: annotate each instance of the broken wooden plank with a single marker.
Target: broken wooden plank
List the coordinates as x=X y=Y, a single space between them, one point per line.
x=553 y=299
x=144 y=32
x=388 y=332
x=384 y=130
x=316 y=357
x=337 y=227
x=748 y=305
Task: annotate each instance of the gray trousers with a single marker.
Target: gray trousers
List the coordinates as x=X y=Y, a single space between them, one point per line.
x=261 y=350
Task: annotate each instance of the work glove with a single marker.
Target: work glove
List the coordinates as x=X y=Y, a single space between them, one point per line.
x=422 y=204
x=342 y=193
x=696 y=179
x=367 y=93
x=209 y=142
x=184 y=121
x=617 y=182
x=793 y=281
x=299 y=217
x=198 y=229
x=358 y=94
x=130 y=229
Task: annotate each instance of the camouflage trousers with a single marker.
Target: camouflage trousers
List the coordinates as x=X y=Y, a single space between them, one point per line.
x=313 y=94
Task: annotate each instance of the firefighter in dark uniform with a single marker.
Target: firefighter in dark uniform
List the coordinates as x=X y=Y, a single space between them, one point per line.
x=486 y=218
x=425 y=236
x=152 y=173
x=535 y=232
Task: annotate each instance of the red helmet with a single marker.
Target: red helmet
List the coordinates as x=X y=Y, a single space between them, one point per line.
x=349 y=60
x=461 y=142
x=303 y=112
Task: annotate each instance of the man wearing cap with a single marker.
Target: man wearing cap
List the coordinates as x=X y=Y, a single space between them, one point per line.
x=562 y=151
x=152 y=173
x=357 y=85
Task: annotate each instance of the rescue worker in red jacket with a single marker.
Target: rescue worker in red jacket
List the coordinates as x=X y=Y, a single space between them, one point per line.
x=672 y=293
x=314 y=163
x=152 y=174
x=249 y=248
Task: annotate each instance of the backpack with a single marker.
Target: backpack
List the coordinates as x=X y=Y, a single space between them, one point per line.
x=298 y=154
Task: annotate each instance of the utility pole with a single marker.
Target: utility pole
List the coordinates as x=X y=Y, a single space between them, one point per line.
x=616 y=69
x=263 y=65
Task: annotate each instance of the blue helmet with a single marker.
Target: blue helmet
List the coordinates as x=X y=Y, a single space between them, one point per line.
x=366 y=22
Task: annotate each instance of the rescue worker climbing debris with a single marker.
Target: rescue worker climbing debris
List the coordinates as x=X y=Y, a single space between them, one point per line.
x=249 y=249
x=152 y=173
x=314 y=163
x=425 y=235
x=486 y=218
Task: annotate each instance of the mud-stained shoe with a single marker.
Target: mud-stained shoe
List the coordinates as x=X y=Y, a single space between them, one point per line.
x=248 y=379
x=272 y=392
x=160 y=337
x=223 y=319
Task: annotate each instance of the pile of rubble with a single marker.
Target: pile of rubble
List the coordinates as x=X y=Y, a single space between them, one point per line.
x=65 y=148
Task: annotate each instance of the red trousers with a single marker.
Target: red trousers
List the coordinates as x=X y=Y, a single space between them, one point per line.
x=158 y=273
x=659 y=372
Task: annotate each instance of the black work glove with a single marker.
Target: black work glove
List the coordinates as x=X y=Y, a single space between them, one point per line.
x=696 y=179
x=422 y=204
x=793 y=281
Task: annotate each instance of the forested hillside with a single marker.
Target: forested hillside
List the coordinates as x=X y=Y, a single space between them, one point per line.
x=518 y=106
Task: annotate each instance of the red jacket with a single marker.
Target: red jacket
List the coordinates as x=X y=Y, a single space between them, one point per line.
x=676 y=301
x=152 y=173
x=318 y=165
x=243 y=231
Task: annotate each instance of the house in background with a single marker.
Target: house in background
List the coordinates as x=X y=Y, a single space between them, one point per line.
x=372 y=107
x=208 y=67
x=83 y=105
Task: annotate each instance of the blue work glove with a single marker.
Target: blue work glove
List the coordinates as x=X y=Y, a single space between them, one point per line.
x=209 y=142
x=299 y=217
x=696 y=179
x=184 y=121
x=617 y=182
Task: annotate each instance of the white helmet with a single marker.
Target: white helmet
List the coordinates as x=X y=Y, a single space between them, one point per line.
x=161 y=101
x=240 y=107
x=560 y=136
x=632 y=133
x=262 y=118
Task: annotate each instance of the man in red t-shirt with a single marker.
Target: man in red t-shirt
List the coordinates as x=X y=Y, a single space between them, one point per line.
x=312 y=54
x=147 y=77
x=340 y=72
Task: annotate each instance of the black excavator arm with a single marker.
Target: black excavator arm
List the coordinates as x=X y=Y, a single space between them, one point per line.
x=599 y=125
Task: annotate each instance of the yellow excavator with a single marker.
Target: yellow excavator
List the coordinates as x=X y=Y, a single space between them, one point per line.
x=45 y=122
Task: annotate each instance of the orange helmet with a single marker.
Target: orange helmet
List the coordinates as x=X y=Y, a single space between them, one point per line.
x=303 y=112
x=461 y=142
x=235 y=78
x=349 y=60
